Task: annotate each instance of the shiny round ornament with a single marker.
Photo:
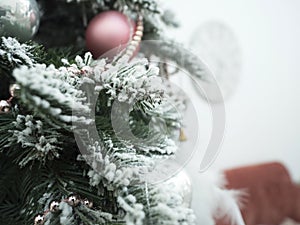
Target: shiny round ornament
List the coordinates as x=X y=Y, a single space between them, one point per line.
x=73 y=200
x=4 y=106
x=54 y=206
x=87 y=203
x=14 y=90
x=182 y=184
x=174 y=175
x=108 y=33
x=39 y=219
x=19 y=18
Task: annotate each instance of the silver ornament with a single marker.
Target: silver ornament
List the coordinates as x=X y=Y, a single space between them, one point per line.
x=54 y=206
x=14 y=90
x=39 y=220
x=173 y=174
x=87 y=203
x=182 y=184
x=4 y=106
x=19 y=18
x=73 y=200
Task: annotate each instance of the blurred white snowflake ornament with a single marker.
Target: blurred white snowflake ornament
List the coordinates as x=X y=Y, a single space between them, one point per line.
x=217 y=45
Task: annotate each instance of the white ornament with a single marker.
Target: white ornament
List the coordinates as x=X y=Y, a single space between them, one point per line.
x=172 y=174
x=182 y=184
x=39 y=220
x=73 y=200
x=14 y=90
x=4 y=106
x=88 y=203
x=217 y=45
x=54 y=206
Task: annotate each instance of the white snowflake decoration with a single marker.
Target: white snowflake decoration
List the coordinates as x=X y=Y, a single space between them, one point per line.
x=216 y=44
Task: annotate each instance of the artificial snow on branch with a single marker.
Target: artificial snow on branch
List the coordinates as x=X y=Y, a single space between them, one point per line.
x=181 y=56
x=39 y=143
x=15 y=52
x=51 y=93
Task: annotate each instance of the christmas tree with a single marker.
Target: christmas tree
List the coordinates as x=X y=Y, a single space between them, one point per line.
x=80 y=131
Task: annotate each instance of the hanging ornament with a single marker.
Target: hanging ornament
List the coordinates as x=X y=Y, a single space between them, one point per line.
x=19 y=18
x=73 y=200
x=217 y=44
x=182 y=184
x=39 y=219
x=4 y=106
x=171 y=173
x=54 y=206
x=87 y=203
x=14 y=90
x=107 y=31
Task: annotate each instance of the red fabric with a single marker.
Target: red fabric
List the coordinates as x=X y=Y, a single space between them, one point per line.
x=296 y=211
x=271 y=194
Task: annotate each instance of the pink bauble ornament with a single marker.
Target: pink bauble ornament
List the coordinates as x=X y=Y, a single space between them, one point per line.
x=108 y=33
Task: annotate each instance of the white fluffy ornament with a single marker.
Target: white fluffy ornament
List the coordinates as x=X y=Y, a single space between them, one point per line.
x=211 y=200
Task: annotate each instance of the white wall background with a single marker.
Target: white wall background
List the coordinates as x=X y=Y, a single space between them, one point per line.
x=263 y=115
